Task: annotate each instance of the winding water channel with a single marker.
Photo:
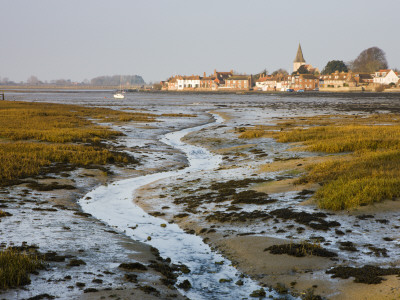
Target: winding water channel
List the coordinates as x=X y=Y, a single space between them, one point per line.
x=113 y=205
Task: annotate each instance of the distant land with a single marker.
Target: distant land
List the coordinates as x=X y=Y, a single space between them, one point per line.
x=115 y=80
x=124 y=80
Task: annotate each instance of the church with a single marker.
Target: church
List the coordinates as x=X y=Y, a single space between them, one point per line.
x=300 y=61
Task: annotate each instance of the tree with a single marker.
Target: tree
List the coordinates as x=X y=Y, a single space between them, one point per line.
x=302 y=70
x=33 y=80
x=262 y=73
x=282 y=72
x=333 y=66
x=369 y=61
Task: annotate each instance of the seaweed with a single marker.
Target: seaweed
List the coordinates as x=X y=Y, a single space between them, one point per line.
x=300 y=250
x=133 y=266
x=367 y=274
x=237 y=216
x=314 y=220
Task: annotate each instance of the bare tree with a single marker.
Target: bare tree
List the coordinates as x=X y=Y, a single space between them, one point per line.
x=280 y=72
x=33 y=80
x=369 y=61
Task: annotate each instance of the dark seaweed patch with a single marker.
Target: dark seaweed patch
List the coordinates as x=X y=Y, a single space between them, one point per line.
x=50 y=187
x=43 y=209
x=258 y=293
x=237 y=216
x=252 y=197
x=235 y=183
x=367 y=274
x=365 y=217
x=300 y=250
x=225 y=191
x=185 y=285
x=52 y=256
x=314 y=220
x=382 y=221
x=82 y=214
x=41 y=296
x=378 y=252
x=133 y=266
x=347 y=246
x=149 y=290
x=76 y=263
x=90 y=290
x=182 y=215
x=131 y=278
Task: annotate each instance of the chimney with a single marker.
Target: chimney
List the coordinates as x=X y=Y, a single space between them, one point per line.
x=204 y=75
x=215 y=72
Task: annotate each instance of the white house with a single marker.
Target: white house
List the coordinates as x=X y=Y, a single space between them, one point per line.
x=266 y=83
x=386 y=77
x=185 y=82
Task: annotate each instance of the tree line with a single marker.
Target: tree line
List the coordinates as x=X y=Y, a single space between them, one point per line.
x=114 y=80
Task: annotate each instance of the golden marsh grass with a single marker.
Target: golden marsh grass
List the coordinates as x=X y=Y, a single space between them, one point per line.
x=15 y=267
x=368 y=170
x=36 y=135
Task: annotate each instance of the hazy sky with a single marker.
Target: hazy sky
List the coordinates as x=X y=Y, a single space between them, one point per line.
x=78 y=39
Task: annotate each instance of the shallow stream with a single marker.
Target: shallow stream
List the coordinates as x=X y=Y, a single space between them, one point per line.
x=113 y=204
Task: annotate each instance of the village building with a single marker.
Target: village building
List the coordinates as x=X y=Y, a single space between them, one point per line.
x=220 y=77
x=266 y=83
x=335 y=80
x=386 y=77
x=306 y=82
x=238 y=82
x=345 y=79
x=188 y=82
x=172 y=84
x=208 y=82
x=363 y=78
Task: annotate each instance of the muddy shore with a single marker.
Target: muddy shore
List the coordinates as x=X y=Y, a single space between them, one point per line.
x=205 y=204
x=239 y=236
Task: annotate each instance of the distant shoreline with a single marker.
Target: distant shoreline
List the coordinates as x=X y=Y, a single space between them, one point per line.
x=324 y=91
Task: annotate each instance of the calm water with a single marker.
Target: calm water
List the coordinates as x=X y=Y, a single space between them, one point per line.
x=338 y=101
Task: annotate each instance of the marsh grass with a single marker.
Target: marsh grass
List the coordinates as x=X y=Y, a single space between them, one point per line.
x=38 y=135
x=368 y=170
x=60 y=123
x=3 y=213
x=15 y=267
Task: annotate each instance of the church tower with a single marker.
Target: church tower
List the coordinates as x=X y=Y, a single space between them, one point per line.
x=299 y=60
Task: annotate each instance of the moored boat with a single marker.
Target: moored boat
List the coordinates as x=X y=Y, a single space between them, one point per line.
x=119 y=95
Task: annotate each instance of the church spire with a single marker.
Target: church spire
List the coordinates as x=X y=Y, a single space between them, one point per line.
x=299 y=56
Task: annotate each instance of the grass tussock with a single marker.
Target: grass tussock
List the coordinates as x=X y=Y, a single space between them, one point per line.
x=252 y=134
x=15 y=267
x=368 y=170
x=38 y=135
x=3 y=213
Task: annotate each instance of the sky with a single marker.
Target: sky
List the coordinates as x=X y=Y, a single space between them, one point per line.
x=82 y=39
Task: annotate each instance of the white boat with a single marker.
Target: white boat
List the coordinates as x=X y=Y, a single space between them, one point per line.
x=119 y=95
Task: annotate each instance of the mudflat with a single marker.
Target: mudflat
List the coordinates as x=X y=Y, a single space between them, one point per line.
x=252 y=209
